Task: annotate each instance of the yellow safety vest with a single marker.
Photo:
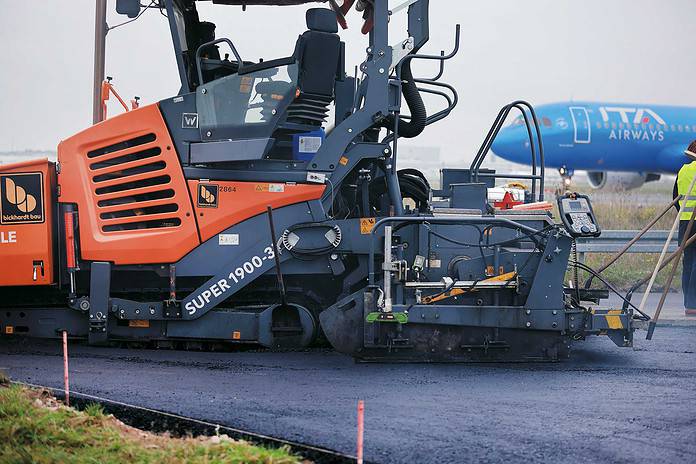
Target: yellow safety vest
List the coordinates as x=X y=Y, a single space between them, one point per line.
x=684 y=178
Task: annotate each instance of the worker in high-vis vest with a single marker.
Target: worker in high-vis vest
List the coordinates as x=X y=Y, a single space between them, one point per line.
x=686 y=208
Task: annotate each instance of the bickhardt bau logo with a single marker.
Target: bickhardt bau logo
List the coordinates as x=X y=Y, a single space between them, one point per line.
x=21 y=199
x=208 y=195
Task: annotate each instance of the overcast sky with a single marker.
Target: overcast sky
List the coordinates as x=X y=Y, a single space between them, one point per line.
x=638 y=51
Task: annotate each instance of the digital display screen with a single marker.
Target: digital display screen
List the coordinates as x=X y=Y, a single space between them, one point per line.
x=575 y=205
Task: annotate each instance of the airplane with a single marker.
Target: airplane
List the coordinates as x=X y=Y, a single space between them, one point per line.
x=621 y=146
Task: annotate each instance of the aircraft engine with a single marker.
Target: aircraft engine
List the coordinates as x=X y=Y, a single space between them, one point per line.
x=619 y=180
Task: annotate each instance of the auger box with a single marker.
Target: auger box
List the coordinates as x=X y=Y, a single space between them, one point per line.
x=26 y=223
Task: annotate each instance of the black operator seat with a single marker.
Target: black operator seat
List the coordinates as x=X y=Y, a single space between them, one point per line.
x=318 y=52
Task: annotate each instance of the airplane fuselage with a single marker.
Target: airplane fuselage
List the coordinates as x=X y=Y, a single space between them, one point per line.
x=605 y=137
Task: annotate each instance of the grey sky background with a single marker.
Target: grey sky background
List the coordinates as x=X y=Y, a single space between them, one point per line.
x=541 y=50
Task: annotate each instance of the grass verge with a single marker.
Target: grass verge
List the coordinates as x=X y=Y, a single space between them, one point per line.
x=632 y=210
x=630 y=269
x=36 y=428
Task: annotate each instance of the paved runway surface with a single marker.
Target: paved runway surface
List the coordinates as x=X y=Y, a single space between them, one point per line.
x=604 y=405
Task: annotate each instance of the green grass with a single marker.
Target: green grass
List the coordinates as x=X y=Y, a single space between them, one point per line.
x=621 y=211
x=630 y=269
x=35 y=428
x=632 y=211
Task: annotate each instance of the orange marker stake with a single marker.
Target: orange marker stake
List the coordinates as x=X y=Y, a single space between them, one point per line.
x=65 y=368
x=361 y=429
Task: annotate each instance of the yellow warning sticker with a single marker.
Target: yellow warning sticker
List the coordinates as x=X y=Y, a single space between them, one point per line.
x=366 y=225
x=236 y=335
x=343 y=160
x=614 y=322
x=9 y=330
x=142 y=324
x=614 y=319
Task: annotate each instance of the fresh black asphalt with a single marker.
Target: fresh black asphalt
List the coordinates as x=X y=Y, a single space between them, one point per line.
x=605 y=404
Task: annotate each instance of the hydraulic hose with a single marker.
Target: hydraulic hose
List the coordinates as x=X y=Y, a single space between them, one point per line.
x=412 y=184
x=415 y=126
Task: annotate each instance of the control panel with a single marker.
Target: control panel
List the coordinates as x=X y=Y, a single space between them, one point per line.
x=577 y=215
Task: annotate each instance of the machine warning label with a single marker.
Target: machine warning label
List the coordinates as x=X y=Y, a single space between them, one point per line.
x=189 y=120
x=271 y=188
x=22 y=199
x=228 y=239
x=309 y=144
x=366 y=225
x=208 y=195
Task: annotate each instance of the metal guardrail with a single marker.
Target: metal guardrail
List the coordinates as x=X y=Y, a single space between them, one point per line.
x=612 y=241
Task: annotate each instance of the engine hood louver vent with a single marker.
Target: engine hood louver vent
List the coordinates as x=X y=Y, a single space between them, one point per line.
x=125 y=179
x=131 y=184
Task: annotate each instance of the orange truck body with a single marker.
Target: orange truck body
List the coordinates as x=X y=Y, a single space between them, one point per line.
x=27 y=223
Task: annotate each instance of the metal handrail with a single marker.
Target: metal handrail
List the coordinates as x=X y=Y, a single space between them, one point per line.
x=393 y=138
x=452 y=103
x=441 y=57
x=416 y=56
x=493 y=133
x=208 y=44
x=441 y=70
